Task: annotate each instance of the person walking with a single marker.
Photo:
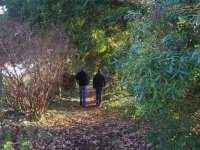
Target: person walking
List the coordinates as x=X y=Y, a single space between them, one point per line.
x=98 y=83
x=83 y=81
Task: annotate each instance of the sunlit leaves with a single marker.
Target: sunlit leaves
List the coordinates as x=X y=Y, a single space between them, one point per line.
x=181 y=20
x=161 y=67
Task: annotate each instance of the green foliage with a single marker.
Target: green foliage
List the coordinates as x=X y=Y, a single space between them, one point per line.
x=160 y=68
x=6 y=134
x=7 y=146
x=35 y=117
x=172 y=130
x=156 y=54
x=95 y=27
x=164 y=75
x=121 y=105
x=24 y=145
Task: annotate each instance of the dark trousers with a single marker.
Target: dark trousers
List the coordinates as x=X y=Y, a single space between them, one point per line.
x=98 y=95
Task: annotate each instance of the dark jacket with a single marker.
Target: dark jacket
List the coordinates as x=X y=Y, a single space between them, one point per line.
x=99 y=81
x=83 y=78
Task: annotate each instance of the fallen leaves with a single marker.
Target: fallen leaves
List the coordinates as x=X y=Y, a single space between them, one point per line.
x=79 y=129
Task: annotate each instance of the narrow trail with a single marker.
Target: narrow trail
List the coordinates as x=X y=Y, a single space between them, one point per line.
x=76 y=128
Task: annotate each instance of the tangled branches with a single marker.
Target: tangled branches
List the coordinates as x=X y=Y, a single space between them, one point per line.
x=32 y=67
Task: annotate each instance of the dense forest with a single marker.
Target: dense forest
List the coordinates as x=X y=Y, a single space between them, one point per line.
x=149 y=52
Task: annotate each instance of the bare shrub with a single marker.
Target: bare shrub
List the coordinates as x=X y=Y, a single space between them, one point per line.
x=32 y=66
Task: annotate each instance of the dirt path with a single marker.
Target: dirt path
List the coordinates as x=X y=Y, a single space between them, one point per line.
x=67 y=126
x=89 y=129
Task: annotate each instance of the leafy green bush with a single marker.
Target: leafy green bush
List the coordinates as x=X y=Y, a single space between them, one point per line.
x=8 y=146
x=161 y=69
x=6 y=134
x=24 y=145
x=163 y=81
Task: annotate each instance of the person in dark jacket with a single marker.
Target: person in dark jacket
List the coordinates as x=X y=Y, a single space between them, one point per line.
x=83 y=81
x=98 y=83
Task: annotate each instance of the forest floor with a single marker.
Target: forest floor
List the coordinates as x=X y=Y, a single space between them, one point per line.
x=65 y=125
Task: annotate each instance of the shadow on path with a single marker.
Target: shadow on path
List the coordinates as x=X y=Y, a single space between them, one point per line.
x=67 y=126
x=68 y=104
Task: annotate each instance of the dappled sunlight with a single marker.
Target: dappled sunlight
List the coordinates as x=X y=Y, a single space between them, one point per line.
x=75 y=128
x=99 y=37
x=148 y=52
x=97 y=34
x=77 y=21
